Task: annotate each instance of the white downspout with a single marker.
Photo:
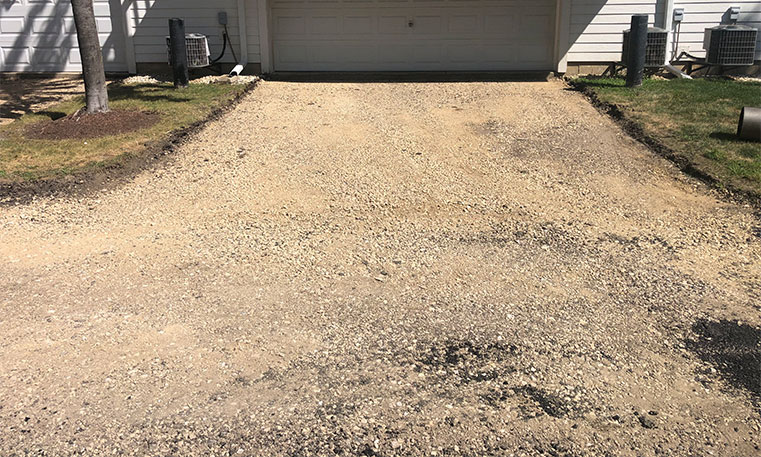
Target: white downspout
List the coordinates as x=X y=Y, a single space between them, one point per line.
x=243 y=36
x=668 y=25
x=677 y=72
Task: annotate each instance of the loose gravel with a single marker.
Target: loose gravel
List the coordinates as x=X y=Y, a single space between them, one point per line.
x=386 y=269
x=221 y=79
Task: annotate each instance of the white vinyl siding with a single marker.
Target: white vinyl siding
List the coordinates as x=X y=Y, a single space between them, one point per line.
x=700 y=15
x=597 y=27
x=39 y=36
x=150 y=26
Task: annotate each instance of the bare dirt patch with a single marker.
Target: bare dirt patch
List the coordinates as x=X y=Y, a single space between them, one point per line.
x=81 y=125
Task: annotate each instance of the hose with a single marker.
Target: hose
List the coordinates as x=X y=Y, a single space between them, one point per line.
x=224 y=47
x=232 y=48
x=225 y=42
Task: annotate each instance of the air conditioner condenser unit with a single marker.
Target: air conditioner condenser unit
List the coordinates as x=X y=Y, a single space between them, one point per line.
x=655 y=53
x=730 y=45
x=197 y=50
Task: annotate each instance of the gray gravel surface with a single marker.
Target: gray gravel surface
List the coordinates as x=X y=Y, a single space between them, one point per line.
x=386 y=269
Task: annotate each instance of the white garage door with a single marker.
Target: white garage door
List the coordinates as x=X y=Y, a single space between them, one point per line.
x=412 y=35
x=39 y=35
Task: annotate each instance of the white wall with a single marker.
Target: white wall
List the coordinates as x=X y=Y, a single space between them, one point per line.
x=596 y=26
x=702 y=14
x=39 y=35
x=596 y=29
x=149 y=22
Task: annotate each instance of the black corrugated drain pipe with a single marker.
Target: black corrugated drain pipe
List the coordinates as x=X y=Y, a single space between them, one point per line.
x=749 y=127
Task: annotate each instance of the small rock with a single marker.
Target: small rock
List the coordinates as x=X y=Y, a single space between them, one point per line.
x=646 y=421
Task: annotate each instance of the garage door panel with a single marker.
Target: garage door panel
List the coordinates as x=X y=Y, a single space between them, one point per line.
x=413 y=35
x=291 y=54
x=359 y=25
x=426 y=25
x=290 y=25
x=533 y=54
x=12 y=25
x=501 y=23
x=392 y=24
x=427 y=54
x=459 y=23
x=16 y=54
x=40 y=35
x=394 y=54
x=535 y=24
x=324 y=25
x=48 y=56
x=501 y=54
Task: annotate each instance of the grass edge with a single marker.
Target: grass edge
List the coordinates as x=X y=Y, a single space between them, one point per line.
x=635 y=130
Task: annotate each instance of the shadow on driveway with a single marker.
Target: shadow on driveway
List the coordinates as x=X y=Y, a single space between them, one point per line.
x=733 y=349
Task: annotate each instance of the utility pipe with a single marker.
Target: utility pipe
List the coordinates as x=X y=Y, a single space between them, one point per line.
x=677 y=72
x=243 y=35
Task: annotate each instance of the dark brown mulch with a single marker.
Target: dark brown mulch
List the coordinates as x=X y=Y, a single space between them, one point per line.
x=81 y=125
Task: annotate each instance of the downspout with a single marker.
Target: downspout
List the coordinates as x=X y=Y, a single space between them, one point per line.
x=243 y=36
x=677 y=72
x=668 y=25
x=667 y=21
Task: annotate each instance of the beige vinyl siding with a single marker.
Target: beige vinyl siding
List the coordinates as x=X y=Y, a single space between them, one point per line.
x=150 y=26
x=702 y=14
x=596 y=27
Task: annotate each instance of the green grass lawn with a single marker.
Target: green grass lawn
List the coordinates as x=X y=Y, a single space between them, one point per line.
x=697 y=119
x=24 y=159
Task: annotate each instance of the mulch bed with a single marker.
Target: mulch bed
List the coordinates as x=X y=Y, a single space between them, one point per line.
x=82 y=125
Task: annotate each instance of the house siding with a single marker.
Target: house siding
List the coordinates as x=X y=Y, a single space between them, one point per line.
x=597 y=26
x=33 y=32
x=40 y=36
x=149 y=20
x=701 y=14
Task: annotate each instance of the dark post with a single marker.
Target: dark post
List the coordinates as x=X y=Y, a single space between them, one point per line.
x=635 y=67
x=179 y=52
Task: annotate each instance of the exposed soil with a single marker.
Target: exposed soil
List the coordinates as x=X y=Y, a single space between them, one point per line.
x=387 y=269
x=82 y=125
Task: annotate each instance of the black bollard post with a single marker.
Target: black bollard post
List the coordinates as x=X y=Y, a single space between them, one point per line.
x=635 y=66
x=179 y=52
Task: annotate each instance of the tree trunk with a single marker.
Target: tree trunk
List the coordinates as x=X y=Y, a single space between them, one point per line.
x=92 y=57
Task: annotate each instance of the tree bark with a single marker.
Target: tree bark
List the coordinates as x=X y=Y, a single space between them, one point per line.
x=92 y=56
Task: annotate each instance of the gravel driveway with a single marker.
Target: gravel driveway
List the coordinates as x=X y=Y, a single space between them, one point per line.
x=387 y=269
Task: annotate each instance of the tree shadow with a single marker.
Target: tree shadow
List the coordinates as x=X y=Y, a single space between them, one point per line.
x=53 y=115
x=23 y=95
x=145 y=92
x=734 y=349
